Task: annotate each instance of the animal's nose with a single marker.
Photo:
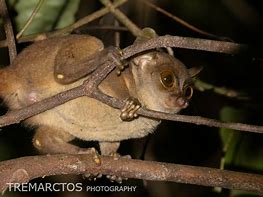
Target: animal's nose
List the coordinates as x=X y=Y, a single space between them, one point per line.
x=182 y=102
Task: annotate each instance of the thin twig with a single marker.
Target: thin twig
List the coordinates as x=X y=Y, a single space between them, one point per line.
x=22 y=170
x=122 y=18
x=30 y=19
x=198 y=120
x=117 y=35
x=10 y=39
x=105 y=27
x=182 y=22
x=16 y=116
x=87 y=19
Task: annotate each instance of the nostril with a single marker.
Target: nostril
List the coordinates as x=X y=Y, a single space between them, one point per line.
x=182 y=102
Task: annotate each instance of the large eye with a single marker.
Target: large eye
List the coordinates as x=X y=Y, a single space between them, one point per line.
x=188 y=92
x=167 y=79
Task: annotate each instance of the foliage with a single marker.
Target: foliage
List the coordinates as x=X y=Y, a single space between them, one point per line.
x=52 y=14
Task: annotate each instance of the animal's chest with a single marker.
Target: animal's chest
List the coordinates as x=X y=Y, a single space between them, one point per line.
x=89 y=119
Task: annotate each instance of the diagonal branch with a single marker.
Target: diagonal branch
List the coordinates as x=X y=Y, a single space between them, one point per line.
x=16 y=116
x=182 y=22
x=87 y=19
x=30 y=19
x=122 y=18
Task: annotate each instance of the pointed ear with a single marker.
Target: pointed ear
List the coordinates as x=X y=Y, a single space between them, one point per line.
x=195 y=71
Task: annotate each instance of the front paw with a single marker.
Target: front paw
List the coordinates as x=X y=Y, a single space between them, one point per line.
x=128 y=112
x=121 y=67
x=91 y=151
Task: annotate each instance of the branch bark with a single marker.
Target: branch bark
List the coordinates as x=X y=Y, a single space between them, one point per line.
x=24 y=169
x=133 y=28
x=186 y=43
x=8 y=31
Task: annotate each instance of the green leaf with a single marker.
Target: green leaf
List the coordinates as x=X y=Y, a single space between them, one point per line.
x=67 y=16
x=230 y=138
x=51 y=14
x=244 y=150
x=11 y=3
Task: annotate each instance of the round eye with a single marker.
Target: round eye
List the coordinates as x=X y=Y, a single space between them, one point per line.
x=167 y=79
x=188 y=92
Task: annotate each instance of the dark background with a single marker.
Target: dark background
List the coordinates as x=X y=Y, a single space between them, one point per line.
x=181 y=143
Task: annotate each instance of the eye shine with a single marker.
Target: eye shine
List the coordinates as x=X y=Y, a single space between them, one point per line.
x=167 y=79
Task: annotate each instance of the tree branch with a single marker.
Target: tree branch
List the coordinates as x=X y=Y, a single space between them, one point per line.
x=186 y=43
x=24 y=169
x=16 y=116
x=8 y=31
x=122 y=18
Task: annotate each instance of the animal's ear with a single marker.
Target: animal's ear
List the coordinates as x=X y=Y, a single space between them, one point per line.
x=146 y=34
x=195 y=71
x=143 y=61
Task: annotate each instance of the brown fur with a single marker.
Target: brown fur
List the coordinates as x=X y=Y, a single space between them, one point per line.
x=31 y=78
